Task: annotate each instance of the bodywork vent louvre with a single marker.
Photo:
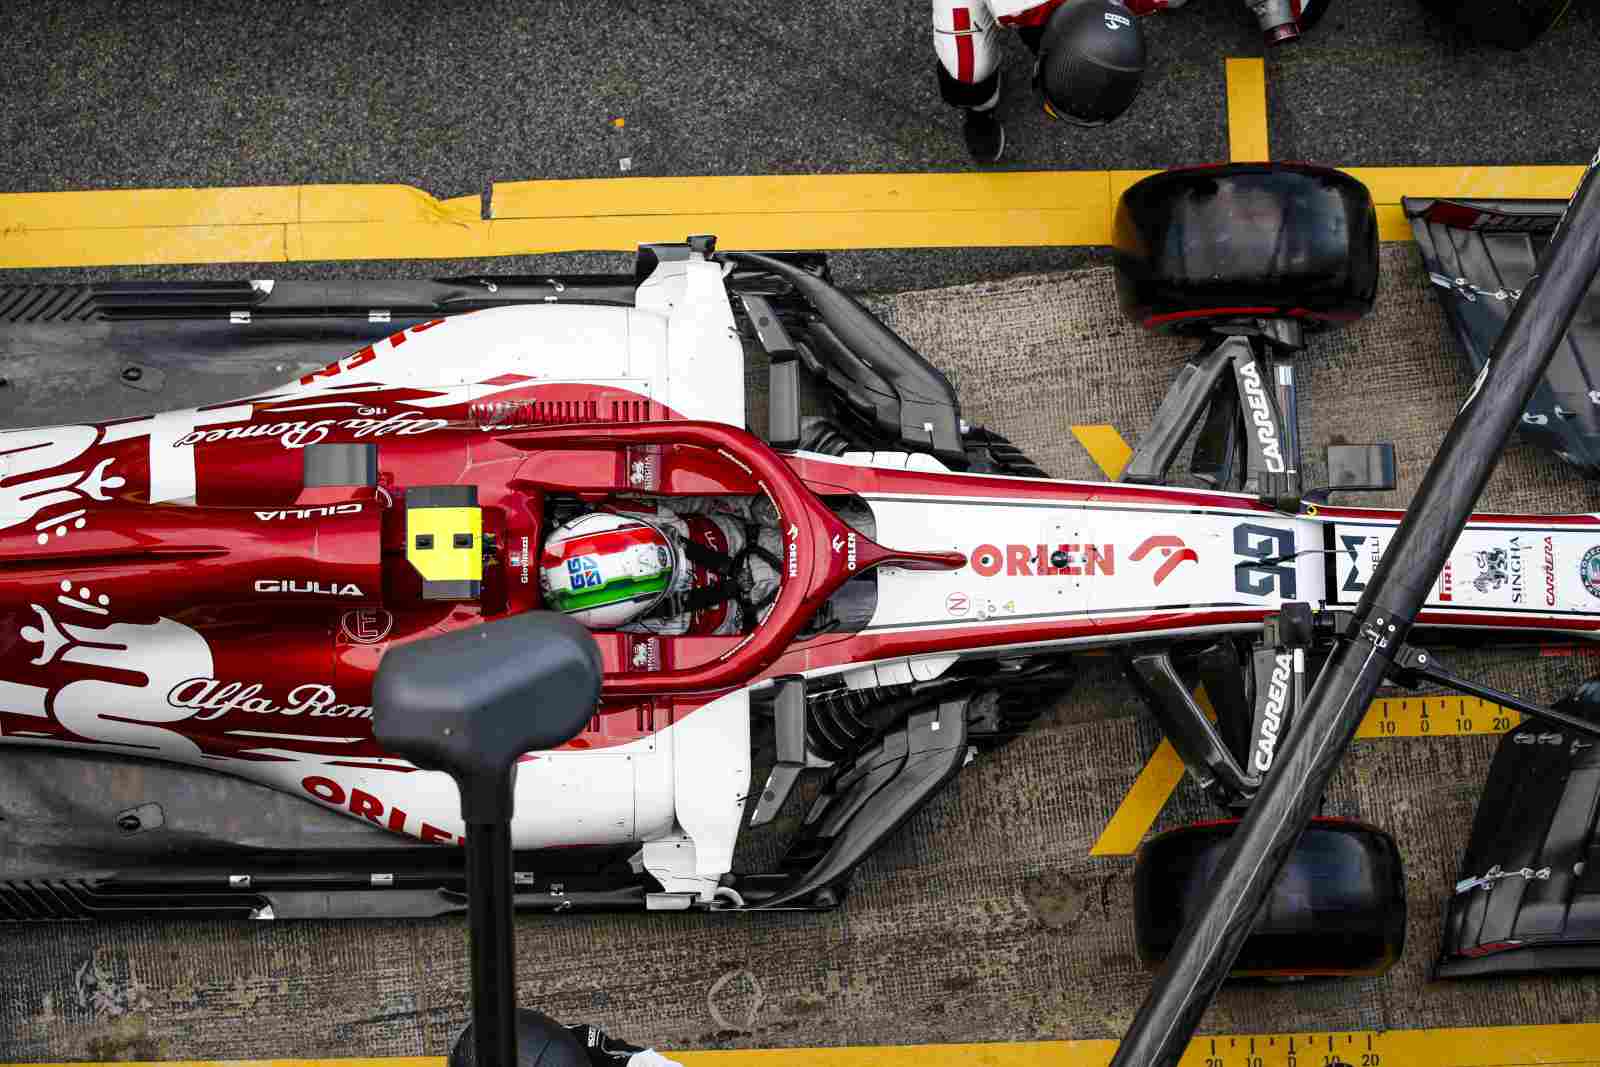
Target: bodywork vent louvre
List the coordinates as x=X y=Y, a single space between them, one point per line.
x=35 y=902
x=65 y=901
x=505 y=413
x=47 y=303
x=630 y=411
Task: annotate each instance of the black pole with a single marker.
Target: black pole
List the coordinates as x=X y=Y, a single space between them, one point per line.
x=489 y=915
x=1308 y=756
x=471 y=702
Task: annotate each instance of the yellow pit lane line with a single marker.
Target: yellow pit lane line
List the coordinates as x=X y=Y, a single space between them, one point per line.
x=1572 y=1045
x=801 y=212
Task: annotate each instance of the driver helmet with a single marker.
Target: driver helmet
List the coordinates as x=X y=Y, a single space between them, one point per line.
x=607 y=570
x=1091 y=61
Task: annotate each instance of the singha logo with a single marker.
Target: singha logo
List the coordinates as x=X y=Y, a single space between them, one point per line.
x=1494 y=569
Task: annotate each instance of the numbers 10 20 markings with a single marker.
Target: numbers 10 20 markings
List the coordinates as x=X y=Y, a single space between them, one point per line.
x=1441 y=716
x=1350 y=1049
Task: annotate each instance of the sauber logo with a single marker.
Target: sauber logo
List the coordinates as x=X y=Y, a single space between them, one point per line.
x=1272 y=711
x=1255 y=398
x=1172 y=549
x=307 y=513
x=286 y=585
x=1035 y=560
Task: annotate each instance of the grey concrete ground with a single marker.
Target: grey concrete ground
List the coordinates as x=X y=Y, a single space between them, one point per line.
x=985 y=919
x=450 y=96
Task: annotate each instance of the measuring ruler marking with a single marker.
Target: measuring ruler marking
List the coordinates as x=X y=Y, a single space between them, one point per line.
x=1567 y=1045
x=1436 y=716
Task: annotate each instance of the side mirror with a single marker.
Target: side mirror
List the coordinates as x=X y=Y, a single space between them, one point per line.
x=470 y=702
x=1368 y=468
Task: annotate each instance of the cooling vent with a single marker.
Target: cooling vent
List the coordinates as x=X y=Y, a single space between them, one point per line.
x=47 y=303
x=57 y=901
x=504 y=413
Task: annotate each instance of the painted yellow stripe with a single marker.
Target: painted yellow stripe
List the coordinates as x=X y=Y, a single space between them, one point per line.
x=1247 y=111
x=785 y=194
x=1571 y=1044
x=1433 y=716
x=1142 y=805
x=823 y=212
x=1106 y=447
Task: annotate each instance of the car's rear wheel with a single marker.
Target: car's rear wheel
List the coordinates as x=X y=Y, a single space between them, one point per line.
x=1338 y=908
x=1206 y=247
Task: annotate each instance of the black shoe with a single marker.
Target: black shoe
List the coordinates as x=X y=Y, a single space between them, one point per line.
x=986 y=136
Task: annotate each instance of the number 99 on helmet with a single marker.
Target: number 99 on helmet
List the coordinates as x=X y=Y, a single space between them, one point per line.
x=607 y=570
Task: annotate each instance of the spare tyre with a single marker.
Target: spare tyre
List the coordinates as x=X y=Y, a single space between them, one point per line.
x=1205 y=247
x=1338 y=908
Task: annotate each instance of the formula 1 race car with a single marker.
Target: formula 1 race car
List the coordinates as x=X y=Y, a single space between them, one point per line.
x=197 y=601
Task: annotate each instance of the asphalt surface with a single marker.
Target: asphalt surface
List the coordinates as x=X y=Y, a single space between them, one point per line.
x=452 y=97
x=985 y=919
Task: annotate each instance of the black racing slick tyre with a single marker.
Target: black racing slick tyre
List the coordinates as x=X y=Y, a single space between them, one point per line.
x=1508 y=23
x=1202 y=248
x=1338 y=908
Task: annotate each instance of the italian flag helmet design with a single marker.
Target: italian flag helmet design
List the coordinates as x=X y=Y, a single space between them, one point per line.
x=606 y=570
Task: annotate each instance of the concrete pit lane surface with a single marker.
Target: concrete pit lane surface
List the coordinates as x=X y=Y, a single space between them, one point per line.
x=985 y=919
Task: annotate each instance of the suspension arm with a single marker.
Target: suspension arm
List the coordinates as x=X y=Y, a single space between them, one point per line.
x=1413 y=663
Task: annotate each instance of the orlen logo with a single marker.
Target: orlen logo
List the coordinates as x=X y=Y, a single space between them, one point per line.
x=367 y=354
x=1172 y=548
x=1081 y=560
x=848 y=543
